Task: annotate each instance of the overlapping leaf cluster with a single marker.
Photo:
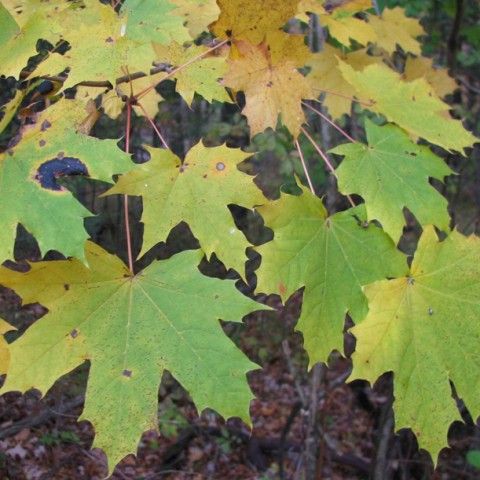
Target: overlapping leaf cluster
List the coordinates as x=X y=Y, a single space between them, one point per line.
x=421 y=323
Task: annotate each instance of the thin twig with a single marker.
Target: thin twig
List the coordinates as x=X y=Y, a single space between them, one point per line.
x=181 y=67
x=326 y=160
x=332 y=123
x=125 y=197
x=152 y=123
x=309 y=180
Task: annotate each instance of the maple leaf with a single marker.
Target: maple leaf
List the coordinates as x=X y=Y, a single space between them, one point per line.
x=196 y=191
x=202 y=76
x=153 y=21
x=244 y=20
x=197 y=14
x=4 y=351
x=411 y=105
x=340 y=20
x=325 y=77
x=391 y=173
x=131 y=328
x=332 y=257
x=395 y=28
x=53 y=146
x=424 y=329
x=113 y=102
x=108 y=52
x=438 y=78
x=264 y=73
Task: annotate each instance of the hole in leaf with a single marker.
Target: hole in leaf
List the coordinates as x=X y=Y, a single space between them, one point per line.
x=50 y=171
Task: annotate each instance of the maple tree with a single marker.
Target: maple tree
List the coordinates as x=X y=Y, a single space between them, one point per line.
x=419 y=323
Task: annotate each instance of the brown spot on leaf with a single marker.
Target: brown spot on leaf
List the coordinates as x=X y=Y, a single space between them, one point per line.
x=127 y=373
x=109 y=40
x=66 y=286
x=42 y=143
x=74 y=333
x=270 y=84
x=282 y=289
x=45 y=124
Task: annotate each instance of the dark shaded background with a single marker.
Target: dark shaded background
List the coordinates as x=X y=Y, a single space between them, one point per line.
x=306 y=425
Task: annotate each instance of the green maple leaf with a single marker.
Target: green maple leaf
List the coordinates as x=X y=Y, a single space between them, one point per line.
x=196 y=191
x=8 y=25
x=51 y=213
x=131 y=329
x=425 y=329
x=411 y=105
x=154 y=21
x=391 y=173
x=332 y=257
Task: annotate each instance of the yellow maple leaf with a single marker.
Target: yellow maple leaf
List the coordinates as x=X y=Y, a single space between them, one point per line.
x=268 y=75
x=197 y=16
x=421 y=67
x=326 y=78
x=201 y=76
x=395 y=28
x=339 y=19
x=247 y=20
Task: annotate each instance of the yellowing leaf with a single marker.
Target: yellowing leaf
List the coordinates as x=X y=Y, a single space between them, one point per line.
x=425 y=329
x=28 y=171
x=197 y=14
x=438 y=78
x=411 y=105
x=332 y=257
x=197 y=192
x=202 y=76
x=106 y=56
x=391 y=173
x=149 y=101
x=326 y=78
x=247 y=20
x=395 y=28
x=265 y=73
x=4 y=351
x=341 y=23
x=131 y=328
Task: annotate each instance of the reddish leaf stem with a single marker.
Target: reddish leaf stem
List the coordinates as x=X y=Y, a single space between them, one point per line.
x=325 y=159
x=332 y=123
x=181 y=67
x=152 y=123
x=125 y=197
x=304 y=165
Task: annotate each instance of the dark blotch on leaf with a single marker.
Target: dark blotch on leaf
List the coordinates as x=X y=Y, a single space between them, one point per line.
x=49 y=171
x=74 y=333
x=66 y=286
x=42 y=143
x=45 y=124
x=127 y=373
